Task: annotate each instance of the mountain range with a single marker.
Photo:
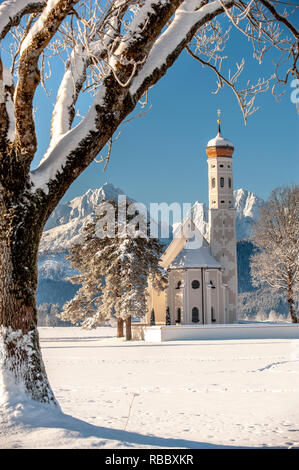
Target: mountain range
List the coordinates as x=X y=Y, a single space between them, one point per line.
x=65 y=225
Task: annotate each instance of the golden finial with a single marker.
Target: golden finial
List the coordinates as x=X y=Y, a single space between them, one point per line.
x=218 y=120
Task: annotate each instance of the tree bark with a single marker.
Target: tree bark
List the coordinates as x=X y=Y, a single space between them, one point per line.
x=120 y=328
x=21 y=364
x=291 y=299
x=128 y=328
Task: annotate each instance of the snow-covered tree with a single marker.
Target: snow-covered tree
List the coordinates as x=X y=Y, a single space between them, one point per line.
x=117 y=50
x=113 y=270
x=276 y=235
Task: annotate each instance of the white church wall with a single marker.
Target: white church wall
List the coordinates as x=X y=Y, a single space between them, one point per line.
x=220 y=332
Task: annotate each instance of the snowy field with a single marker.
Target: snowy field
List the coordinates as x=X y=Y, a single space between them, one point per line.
x=187 y=394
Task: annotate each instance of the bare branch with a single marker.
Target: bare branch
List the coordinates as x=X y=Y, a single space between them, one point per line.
x=281 y=18
x=242 y=96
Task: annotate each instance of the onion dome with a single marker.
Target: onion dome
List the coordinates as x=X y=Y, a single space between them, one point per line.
x=219 y=146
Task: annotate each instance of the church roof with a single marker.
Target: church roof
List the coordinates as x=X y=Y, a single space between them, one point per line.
x=200 y=257
x=220 y=141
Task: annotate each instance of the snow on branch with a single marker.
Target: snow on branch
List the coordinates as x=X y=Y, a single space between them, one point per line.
x=32 y=47
x=90 y=36
x=68 y=92
x=187 y=19
x=12 y=11
x=66 y=145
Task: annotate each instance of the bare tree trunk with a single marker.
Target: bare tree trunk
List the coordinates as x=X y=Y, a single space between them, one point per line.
x=291 y=299
x=120 y=328
x=23 y=371
x=128 y=328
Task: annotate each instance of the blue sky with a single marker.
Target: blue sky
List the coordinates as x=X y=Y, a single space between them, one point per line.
x=161 y=156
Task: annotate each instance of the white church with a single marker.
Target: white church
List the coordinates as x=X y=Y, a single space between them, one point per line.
x=202 y=270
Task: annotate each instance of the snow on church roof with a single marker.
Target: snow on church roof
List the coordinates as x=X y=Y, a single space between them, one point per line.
x=200 y=257
x=219 y=141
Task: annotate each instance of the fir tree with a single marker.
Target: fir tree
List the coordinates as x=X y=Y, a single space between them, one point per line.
x=114 y=263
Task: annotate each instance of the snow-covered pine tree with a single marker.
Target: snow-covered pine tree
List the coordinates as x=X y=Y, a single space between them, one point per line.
x=276 y=235
x=113 y=270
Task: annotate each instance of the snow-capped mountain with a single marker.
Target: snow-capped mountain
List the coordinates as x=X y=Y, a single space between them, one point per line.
x=248 y=207
x=65 y=226
x=82 y=206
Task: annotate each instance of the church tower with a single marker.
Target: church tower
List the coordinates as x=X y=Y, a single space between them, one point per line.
x=222 y=216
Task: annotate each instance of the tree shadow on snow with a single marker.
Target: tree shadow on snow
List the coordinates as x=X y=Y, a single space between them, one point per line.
x=84 y=430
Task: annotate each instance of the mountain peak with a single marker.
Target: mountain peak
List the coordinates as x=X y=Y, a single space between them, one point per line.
x=65 y=225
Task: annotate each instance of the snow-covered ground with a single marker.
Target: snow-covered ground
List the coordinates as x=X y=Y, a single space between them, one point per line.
x=184 y=394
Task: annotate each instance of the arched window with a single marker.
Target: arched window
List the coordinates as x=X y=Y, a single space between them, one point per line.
x=221 y=182
x=229 y=182
x=179 y=285
x=213 y=182
x=213 y=315
x=195 y=284
x=195 y=315
x=178 y=319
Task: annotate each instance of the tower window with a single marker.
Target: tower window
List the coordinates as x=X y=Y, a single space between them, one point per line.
x=195 y=315
x=195 y=284
x=221 y=166
x=228 y=166
x=229 y=182
x=221 y=182
x=213 y=315
x=178 y=319
x=213 y=182
x=222 y=202
x=179 y=285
